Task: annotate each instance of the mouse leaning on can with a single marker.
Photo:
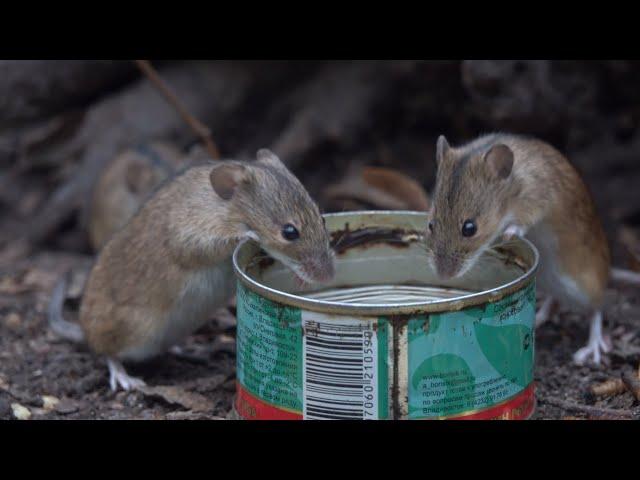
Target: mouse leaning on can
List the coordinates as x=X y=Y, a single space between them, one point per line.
x=160 y=277
x=502 y=185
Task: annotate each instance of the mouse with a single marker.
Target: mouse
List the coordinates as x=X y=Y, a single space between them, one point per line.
x=500 y=186
x=125 y=184
x=159 y=278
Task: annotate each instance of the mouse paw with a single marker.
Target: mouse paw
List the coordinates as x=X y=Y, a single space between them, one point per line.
x=119 y=377
x=513 y=231
x=597 y=345
x=594 y=349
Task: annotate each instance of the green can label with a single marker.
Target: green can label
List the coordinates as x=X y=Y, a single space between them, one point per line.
x=295 y=364
x=468 y=361
x=269 y=353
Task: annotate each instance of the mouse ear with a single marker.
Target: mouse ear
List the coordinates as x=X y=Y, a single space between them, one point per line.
x=267 y=157
x=442 y=147
x=499 y=159
x=226 y=177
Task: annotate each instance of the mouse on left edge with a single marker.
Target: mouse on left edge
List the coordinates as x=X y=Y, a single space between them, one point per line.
x=159 y=278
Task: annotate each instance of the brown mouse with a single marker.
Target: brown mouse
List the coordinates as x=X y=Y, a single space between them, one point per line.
x=499 y=186
x=124 y=185
x=160 y=277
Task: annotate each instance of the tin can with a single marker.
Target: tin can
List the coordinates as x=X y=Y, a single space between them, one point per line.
x=386 y=339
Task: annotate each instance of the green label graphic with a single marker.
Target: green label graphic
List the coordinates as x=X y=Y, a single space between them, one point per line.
x=471 y=359
x=457 y=362
x=269 y=353
x=344 y=375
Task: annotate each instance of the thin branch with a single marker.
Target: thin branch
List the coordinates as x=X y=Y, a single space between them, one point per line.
x=196 y=125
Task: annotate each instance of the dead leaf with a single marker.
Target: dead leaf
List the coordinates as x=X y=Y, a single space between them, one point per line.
x=190 y=415
x=608 y=388
x=176 y=395
x=20 y=412
x=399 y=185
x=66 y=406
x=383 y=188
x=206 y=384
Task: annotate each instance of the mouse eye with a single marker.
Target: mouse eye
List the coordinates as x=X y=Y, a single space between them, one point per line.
x=469 y=228
x=431 y=226
x=289 y=232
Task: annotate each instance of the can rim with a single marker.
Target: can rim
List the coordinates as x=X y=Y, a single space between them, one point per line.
x=431 y=306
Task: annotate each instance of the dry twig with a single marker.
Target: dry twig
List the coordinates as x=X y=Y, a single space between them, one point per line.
x=595 y=411
x=198 y=127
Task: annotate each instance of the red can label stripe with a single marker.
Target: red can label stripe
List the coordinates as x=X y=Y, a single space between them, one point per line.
x=518 y=408
x=252 y=408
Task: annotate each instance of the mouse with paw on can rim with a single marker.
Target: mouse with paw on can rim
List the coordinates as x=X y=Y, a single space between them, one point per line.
x=501 y=186
x=160 y=277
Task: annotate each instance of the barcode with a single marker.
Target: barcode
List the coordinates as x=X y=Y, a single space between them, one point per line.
x=339 y=375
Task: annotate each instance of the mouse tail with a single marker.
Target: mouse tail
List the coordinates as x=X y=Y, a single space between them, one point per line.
x=57 y=323
x=625 y=276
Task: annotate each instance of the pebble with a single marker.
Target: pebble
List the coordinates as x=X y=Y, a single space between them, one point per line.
x=20 y=412
x=49 y=402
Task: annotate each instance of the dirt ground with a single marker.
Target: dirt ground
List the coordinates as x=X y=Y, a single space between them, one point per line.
x=35 y=363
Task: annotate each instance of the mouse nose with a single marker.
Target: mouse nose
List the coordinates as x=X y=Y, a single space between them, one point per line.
x=321 y=268
x=446 y=267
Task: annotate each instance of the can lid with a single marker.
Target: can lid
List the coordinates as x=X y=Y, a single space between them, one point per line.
x=375 y=300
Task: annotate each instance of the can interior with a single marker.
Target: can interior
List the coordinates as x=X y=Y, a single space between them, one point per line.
x=380 y=261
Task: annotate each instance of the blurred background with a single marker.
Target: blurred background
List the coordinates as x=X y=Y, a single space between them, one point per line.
x=82 y=143
x=62 y=122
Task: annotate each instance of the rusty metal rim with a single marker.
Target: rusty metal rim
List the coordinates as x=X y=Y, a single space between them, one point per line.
x=433 y=306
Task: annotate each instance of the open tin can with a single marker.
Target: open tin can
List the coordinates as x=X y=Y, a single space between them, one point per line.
x=386 y=339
